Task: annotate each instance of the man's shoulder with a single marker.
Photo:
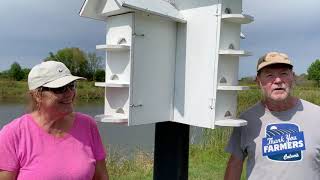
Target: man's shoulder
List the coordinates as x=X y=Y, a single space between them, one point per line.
x=252 y=111
x=309 y=105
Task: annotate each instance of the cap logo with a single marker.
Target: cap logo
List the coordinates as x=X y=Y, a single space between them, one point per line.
x=60 y=70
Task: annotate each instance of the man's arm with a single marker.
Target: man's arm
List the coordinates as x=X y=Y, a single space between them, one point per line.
x=234 y=168
x=7 y=175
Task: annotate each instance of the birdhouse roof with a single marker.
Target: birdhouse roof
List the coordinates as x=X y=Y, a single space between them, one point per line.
x=100 y=9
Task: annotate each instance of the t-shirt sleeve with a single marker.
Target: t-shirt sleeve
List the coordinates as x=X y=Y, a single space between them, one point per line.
x=8 y=149
x=234 y=146
x=98 y=148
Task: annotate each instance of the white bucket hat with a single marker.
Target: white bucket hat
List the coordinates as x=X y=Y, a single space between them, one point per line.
x=50 y=74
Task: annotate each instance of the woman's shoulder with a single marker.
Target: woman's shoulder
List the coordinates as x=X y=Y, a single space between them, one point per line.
x=85 y=119
x=16 y=125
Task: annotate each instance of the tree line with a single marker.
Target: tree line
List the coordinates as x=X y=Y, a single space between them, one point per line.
x=87 y=65
x=313 y=74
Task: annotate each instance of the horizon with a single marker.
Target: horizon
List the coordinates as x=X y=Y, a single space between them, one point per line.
x=37 y=28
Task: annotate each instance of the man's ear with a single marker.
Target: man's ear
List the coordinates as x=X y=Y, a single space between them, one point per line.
x=257 y=80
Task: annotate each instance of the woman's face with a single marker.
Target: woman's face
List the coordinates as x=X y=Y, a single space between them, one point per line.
x=57 y=101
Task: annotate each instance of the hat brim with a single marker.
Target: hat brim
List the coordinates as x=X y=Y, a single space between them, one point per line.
x=263 y=65
x=62 y=81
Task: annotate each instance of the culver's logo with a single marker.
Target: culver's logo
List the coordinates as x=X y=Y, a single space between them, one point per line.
x=283 y=142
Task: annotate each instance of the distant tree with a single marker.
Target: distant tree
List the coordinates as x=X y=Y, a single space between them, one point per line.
x=247 y=80
x=15 y=72
x=79 y=63
x=314 y=72
x=74 y=58
x=94 y=63
x=26 y=73
x=100 y=75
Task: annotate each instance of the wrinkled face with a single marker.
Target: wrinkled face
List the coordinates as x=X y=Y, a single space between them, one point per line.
x=276 y=82
x=58 y=101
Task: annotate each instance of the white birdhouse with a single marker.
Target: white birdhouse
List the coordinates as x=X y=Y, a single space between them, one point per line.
x=171 y=61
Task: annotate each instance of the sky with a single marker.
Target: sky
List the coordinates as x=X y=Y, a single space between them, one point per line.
x=29 y=30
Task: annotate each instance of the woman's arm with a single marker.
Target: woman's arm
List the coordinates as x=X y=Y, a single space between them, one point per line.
x=7 y=175
x=101 y=172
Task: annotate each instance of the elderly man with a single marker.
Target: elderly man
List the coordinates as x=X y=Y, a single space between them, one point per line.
x=282 y=139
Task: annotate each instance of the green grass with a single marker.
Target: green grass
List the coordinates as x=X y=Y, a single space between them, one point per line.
x=86 y=91
x=13 y=90
x=122 y=167
x=311 y=94
x=208 y=160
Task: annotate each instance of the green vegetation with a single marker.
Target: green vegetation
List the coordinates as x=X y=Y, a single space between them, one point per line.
x=79 y=62
x=140 y=166
x=15 y=73
x=87 y=65
x=17 y=91
x=314 y=71
x=208 y=160
x=13 y=90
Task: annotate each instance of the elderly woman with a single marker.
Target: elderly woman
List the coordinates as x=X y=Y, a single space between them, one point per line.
x=52 y=142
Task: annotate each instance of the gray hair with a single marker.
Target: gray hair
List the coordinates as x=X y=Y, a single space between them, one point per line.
x=33 y=104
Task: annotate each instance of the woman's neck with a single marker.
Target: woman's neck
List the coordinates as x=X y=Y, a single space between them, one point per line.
x=52 y=124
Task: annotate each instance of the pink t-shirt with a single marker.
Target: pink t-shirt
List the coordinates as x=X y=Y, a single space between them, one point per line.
x=36 y=155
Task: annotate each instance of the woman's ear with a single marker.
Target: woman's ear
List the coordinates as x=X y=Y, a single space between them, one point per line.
x=37 y=96
x=34 y=100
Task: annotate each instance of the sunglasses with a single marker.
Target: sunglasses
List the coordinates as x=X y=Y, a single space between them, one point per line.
x=72 y=86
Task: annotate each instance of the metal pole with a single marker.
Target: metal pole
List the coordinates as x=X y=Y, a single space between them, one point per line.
x=171 y=152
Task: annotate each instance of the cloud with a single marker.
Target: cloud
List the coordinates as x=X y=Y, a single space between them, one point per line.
x=288 y=10
x=287 y=26
x=31 y=29
x=36 y=19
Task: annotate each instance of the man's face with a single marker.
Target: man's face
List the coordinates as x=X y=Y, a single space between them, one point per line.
x=275 y=82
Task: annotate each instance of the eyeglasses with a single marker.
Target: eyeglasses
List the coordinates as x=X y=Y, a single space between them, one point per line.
x=72 y=86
